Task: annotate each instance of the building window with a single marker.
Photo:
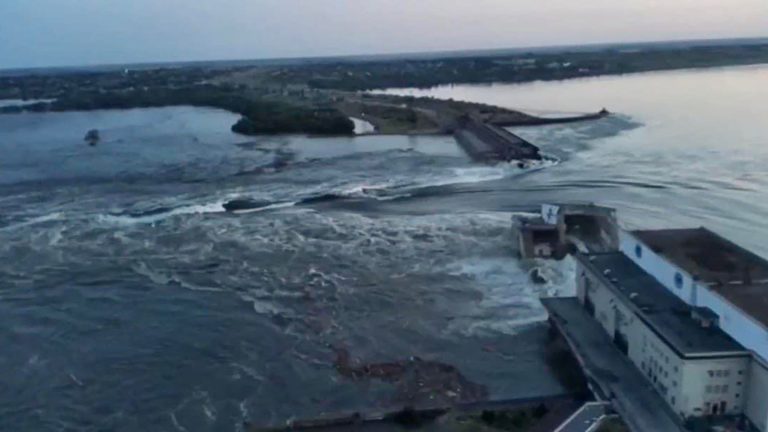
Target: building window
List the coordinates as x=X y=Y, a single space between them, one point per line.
x=725 y=388
x=678 y=280
x=737 y=395
x=638 y=251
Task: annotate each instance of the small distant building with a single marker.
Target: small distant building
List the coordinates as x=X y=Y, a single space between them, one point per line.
x=549 y=234
x=689 y=309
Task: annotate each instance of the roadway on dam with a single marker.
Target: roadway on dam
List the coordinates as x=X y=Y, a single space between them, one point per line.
x=611 y=374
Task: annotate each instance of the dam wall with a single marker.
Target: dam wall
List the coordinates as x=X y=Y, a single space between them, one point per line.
x=487 y=143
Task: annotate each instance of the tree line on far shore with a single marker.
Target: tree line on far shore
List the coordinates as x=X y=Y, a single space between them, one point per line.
x=258 y=116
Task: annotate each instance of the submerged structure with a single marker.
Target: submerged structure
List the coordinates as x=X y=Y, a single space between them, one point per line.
x=684 y=313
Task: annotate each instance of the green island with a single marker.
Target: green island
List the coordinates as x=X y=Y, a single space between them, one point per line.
x=320 y=96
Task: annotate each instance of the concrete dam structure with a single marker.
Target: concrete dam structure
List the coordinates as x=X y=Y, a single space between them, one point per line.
x=487 y=143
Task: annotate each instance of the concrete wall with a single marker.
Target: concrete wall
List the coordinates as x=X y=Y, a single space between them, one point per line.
x=689 y=385
x=711 y=382
x=686 y=385
x=658 y=267
x=524 y=240
x=605 y=302
x=661 y=366
x=757 y=399
x=736 y=323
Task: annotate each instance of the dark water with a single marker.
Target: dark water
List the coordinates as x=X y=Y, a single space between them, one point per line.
x=129 y=300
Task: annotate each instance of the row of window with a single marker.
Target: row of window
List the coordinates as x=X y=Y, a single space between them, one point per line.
x=717 y=388
x=657 y=350
x=723 y=373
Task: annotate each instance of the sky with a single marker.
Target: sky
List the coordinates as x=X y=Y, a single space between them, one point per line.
x=39 y=33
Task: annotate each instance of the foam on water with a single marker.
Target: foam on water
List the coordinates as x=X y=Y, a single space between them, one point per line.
x=269 y=207
x=162 y=278
x=362 y=126
x=510 y=300
x=134 y=258
x=34 y=221
x=192 y=209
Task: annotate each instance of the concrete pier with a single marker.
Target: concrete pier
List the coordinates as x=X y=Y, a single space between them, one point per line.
x=558 y=227
x=611 y=375
x=487 y=143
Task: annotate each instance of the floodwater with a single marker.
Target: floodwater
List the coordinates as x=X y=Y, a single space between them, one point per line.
x=21 y=102
x=130 y=300
x=684 y=148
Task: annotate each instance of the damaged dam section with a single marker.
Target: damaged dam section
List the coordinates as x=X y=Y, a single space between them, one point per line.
x=485 y=140
x=487 y=143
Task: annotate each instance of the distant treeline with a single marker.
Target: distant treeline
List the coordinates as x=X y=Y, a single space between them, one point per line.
x=258 y=116
x=356 y=76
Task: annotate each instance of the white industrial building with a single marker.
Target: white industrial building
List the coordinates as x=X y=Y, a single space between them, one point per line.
x=690 y=310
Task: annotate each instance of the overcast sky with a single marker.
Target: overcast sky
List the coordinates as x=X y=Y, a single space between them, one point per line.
x=79 y=32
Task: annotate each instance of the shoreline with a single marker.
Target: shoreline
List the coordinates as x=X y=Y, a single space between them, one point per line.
x=385 y=91
x=387 y=112
x=426 y=116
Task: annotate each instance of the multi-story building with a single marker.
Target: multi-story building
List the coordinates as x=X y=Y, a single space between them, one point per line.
x=690 y=310
x=706 y=270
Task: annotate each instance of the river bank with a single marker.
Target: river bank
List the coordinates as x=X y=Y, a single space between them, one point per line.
x=318 y=96
x=312 y=112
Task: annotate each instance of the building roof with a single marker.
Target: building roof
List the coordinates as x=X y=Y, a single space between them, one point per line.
x=668 y=316
x=738 y=275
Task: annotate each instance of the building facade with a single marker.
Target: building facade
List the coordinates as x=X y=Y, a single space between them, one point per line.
x=709 y=272
x=696 y=368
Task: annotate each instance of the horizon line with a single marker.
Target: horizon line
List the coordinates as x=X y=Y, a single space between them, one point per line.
x=383 y=55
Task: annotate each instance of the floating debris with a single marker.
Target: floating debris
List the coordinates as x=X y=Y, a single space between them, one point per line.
x=92 y=137
x=416 y=381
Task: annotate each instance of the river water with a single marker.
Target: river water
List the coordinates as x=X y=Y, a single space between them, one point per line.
x=130 y=300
